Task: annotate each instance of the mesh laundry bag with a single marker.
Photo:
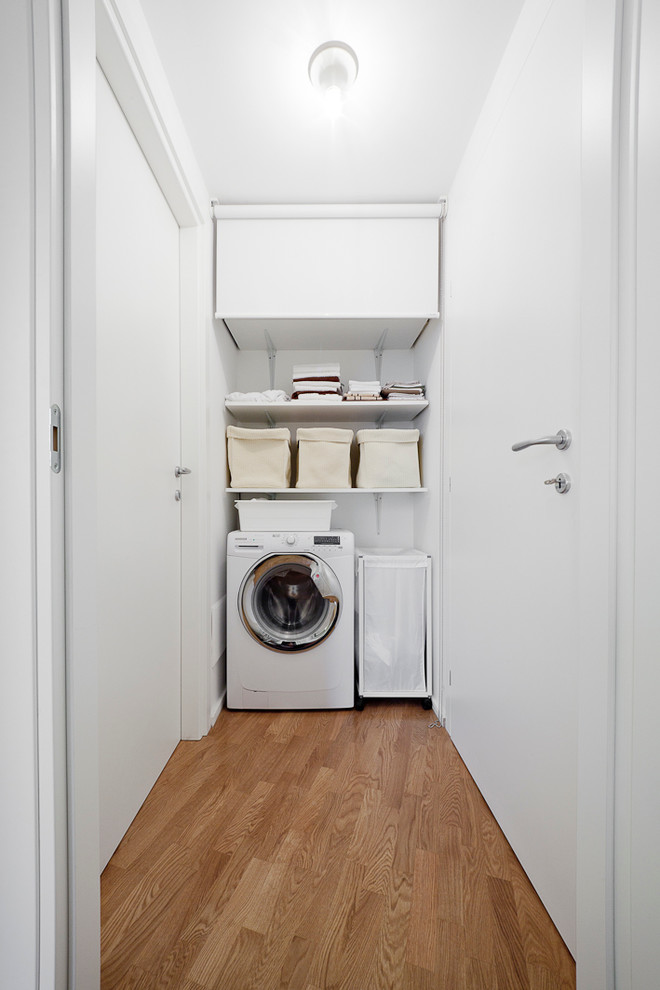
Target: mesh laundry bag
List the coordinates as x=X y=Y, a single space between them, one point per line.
x=259 y=458
x=324 y=458
x=394 y=623
x=388 y=459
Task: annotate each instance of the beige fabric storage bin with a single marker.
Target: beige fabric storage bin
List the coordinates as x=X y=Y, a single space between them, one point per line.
x=259 y=458
x=388 y=459
x=324 y=458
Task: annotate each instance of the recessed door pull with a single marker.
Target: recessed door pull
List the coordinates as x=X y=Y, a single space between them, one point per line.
x=561 y=440
x=55 y=439
x=562 y=483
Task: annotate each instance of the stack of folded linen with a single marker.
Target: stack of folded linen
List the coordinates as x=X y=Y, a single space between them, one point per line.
x=270 y=395
x=316 y=381
x=403 y=391
x=363 y=391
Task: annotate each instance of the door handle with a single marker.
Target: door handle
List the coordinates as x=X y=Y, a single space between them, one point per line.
x=561 y=440
x=178 y=471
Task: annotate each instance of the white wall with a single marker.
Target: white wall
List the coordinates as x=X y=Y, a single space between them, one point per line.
x=18 y=728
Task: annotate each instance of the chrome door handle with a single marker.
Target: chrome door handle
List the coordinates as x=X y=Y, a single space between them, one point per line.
x=178 y=471
x=561 y=440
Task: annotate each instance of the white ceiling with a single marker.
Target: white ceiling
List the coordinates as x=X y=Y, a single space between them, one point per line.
x=238 y=71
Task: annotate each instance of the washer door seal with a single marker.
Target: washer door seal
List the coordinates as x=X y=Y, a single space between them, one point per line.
x=290 y=602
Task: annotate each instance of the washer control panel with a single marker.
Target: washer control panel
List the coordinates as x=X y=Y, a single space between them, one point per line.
x=325 y=543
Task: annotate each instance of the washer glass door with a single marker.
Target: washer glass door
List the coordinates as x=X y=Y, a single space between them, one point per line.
x=290 y=602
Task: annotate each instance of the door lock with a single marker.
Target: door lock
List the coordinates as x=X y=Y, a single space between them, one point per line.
x=562 y=483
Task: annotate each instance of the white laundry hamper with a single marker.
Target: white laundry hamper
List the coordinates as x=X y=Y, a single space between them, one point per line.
x=324 y=457
x=394 y=625
x=388 y=459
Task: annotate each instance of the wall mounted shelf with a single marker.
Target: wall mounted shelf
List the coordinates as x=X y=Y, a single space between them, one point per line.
x=376 y=493
x=275 y=413
x=325 y=491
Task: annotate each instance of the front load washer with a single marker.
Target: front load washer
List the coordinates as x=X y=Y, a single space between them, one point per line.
x=290 y=620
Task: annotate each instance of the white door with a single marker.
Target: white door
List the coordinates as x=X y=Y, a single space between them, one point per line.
x=513 y=326
x=138 y=449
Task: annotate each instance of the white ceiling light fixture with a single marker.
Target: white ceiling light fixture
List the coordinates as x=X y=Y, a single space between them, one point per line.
x=333 y=69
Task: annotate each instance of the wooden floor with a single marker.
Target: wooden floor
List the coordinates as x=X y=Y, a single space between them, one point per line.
x=319 y=850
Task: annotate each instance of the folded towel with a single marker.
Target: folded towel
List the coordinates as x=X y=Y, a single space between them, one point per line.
x=317 y=378
x=404 y=385
x=356 y=386
x=316 y=397
x=389 y=391
x=316 y=384
x=363 y=397
x=270 y=395
x=315 y=371
x=403 y=397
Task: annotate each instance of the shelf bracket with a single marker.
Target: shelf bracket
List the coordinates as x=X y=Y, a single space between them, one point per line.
x=269 y=419
x=272 y=354
x=378 y=354
x=378 y=503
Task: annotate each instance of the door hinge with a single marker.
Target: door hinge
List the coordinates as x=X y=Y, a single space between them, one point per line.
x=55 y=439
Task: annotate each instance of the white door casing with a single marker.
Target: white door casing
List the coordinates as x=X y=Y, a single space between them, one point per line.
x=138 y=431
x=637 y=775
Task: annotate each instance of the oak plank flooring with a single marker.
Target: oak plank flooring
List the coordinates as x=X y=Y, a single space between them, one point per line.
x=322 y=851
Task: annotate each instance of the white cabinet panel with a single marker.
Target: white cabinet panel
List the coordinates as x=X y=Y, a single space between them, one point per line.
x=326 y=267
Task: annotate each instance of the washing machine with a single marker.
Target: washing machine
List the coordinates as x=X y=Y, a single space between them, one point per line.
x=290 y=620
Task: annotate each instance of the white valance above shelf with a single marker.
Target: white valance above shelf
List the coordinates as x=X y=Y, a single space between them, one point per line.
x=275 y=413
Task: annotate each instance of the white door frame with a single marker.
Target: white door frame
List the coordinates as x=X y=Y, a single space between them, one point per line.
x=117 y=32
x=598 y=522
x=35 y=832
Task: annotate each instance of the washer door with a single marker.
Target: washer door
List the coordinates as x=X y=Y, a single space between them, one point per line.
x=290 y=602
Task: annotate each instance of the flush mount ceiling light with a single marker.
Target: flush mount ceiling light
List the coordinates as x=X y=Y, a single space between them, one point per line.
x=333 y=69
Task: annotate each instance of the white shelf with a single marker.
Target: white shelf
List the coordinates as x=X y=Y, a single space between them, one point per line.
x=325 y=412
x=325 y=491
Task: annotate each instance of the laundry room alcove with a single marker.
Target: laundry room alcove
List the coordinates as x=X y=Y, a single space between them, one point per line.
x=351 y=284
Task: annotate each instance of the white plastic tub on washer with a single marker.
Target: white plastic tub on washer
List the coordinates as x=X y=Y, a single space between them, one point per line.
x=296 y=515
